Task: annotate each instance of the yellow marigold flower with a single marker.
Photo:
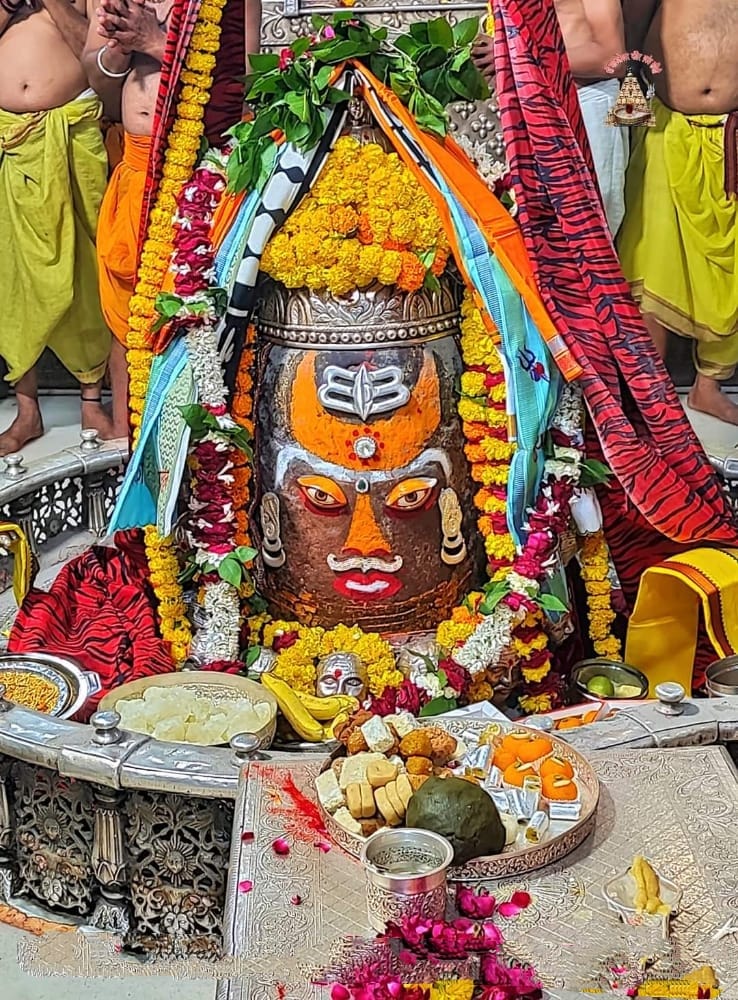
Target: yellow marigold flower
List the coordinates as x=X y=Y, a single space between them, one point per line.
x=402 y=226
x=536 y=704
x=472 y=384
x=389 y=269
x=339 y=280
x=479 y=690
x=452 y=989
x=450 y=634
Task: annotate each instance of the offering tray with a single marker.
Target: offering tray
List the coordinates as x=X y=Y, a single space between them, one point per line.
x=562 y=837
x=73 y=685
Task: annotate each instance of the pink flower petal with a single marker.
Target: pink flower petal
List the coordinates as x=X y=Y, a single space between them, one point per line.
x=280 y=846
x=407 y=957
x=247 y=836
x=246 y=886
x=323 y=846
x=521 y=899
x=296 y=900
x=339 y=992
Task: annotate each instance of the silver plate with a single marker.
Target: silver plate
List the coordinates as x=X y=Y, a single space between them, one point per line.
x=563 y=835
x=73 y=684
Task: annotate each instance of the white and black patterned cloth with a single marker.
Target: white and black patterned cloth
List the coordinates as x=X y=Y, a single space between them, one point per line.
x=295 y=173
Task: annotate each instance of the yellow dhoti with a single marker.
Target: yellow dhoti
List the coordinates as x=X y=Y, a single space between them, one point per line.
x=662 y=631
x=53 y=171
x=678 y=244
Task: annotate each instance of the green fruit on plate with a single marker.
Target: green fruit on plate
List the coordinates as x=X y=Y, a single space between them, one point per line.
x=601 y=686
x=461 y=812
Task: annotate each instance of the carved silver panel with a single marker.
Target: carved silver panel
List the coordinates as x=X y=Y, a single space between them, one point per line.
x=178 y=856
x=65 y=504
x=54 y=824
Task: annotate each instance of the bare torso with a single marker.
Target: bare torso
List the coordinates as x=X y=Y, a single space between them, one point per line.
x=38 y=70
x=139 y=95
x=696 y=41
x=138 y=99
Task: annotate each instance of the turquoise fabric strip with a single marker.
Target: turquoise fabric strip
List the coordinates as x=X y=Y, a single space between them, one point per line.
x=533 y=381
x=139 y=497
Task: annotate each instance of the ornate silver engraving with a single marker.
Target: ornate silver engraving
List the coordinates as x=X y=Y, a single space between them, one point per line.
x=54 y=823
x=272 y=551
x=364 y=392
x=178 y=850
x=365 y=318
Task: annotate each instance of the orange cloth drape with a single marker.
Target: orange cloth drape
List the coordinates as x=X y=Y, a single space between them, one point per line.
x=502 y=233
x=117 y=233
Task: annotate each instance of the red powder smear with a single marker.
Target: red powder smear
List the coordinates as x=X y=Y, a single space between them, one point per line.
x=301 y=815
x=281 y=991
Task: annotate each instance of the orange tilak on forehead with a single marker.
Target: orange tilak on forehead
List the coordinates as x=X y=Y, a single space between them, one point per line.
x=399 y=437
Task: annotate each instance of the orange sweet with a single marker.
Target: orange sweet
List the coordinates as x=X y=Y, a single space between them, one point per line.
x=534 y=748
x=516 y=774
x=504 y=757
x=526 y=747
x=573 y=722
x=557 y=788
x=590 y=717
x=553 y=766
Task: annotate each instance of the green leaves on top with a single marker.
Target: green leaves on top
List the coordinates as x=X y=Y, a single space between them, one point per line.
x=291 y=93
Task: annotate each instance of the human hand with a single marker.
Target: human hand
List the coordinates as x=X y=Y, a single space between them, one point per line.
x=483 y=56
x=130 y=26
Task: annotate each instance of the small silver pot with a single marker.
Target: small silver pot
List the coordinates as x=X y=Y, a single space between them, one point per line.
x=721 y=678
x=405 y=874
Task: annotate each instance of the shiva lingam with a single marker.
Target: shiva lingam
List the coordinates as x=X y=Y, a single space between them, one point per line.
x=364 y=512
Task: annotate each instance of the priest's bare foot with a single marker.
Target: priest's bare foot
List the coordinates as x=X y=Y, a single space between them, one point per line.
x=706 y=397
x=27 y=426
x=483 y=57
x=96 y=417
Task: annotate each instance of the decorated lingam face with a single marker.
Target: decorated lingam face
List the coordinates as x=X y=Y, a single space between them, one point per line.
x=341 y=673
x=363 y=485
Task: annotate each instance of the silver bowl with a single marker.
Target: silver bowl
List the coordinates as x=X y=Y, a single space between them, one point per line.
x=618 y=673
x=73 y=684
x=721 y=678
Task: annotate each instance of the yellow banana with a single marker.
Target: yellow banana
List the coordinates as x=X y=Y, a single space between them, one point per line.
x=293 y=709
x=325 y=709
x=330 y=727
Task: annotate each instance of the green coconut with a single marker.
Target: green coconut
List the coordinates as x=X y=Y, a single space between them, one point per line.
x=460 y=811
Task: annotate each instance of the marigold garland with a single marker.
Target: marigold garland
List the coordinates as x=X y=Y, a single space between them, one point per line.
x=366 y=219
x=164 y=569
x=595 y=571
x=242 y=412
x=182 y=149
x=304 y=646
x=483 y=412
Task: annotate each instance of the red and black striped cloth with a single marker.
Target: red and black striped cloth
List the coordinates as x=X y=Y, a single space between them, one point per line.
x=666 y=496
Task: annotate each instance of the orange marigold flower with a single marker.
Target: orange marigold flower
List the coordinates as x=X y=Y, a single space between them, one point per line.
x=439 y=261
x=412 y=273
x=394 y=245
x=344 y=219
x=364 y=231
